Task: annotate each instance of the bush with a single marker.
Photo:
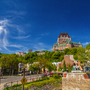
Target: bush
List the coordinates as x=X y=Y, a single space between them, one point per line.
x=56 y=76
x=69 y=68
x=45 y=78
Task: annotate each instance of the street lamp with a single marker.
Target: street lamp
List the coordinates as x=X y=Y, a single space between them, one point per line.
x=3 y=68
x=0 y=70
x=0 y=74
x=30 y=74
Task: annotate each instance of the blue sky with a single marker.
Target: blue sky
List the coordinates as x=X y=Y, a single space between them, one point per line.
x=36 y=24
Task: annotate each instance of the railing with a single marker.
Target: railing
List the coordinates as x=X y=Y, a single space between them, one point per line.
x=10 y=84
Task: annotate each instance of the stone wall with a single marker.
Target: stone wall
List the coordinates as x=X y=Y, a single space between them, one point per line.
x=75 y=81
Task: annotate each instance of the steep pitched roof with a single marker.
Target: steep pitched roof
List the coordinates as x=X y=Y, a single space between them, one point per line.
x=64 y=34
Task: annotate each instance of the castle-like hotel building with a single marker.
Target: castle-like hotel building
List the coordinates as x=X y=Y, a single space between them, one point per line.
x=64 y=41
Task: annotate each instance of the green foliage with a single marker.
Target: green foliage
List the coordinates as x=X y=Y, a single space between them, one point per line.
x=45 y=61
x=54 y=67
x=59 y=69
x=74 y=50
x=67 y=51
x=64 y=66
x=69 y=68
x=76 y=57
x=56 y=76
x=80 y=50
x=45 y=78
x=50 y=67
x=87 y=47
x=56 y=55
x=33 y=67
x=30 y=50
x=83 y=58
x=10 y=62
x=38 y=83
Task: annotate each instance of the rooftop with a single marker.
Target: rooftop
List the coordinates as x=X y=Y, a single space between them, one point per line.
x=64 y=35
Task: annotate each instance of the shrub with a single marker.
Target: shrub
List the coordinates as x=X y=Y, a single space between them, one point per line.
x=56 y=76
x=69 y=68
x=64 y=66
x=45 y=78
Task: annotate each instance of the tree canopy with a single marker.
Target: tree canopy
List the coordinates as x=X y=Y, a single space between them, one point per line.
x=45 y=60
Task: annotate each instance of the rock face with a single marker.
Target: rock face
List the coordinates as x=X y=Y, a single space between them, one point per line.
x=50 y=86
x=75 y=81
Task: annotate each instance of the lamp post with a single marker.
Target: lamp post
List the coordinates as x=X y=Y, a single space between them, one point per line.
x=0 y=70
x=0 y=74
x=23 y=76
x=3 y=68
x=30 y=74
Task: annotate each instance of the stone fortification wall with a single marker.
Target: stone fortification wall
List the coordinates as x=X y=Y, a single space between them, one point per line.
x=75 y=81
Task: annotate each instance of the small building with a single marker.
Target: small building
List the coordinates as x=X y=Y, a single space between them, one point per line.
x=21 y=53
x=40 y=53
x=87 y=69
x=70 y=60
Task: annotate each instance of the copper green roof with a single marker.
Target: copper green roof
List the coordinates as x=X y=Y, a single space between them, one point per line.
x=79 y=43
x=61 y=45
x=65 y=44
x=69 y=41
x=76 y=43
x=55 y=44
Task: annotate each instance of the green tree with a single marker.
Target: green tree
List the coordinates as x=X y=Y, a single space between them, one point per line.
x=74 y=50
x=56 y=57
x=12 y=62
x=88 y=58
x=42 y=62
x=67 y=51
x=54 y=68
x=3 y=63
x=30 y=50
x=59 y=68
x=64 y=66
x=80 y=50
x=69 y=68
x=50 y=67
x=33 y=67
x=87 y=47
x=76 y=56
x=82 y=57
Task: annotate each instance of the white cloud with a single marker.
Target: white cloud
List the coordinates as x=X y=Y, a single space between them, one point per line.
x=40 y=43
x=18 y=46
x=84 y=44
x=44 y=34
x=21 y=37
x=1 y=29
x=41 y=46
x=37 y=48
x=5 y=32
x=20 y=30
x=50 y=49
x=17 y=12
